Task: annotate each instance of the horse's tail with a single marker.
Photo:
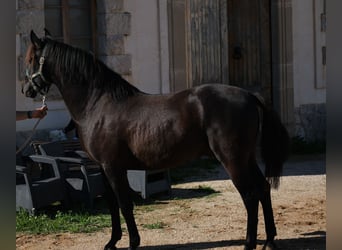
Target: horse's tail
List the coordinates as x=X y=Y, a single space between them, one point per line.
x=275 y=144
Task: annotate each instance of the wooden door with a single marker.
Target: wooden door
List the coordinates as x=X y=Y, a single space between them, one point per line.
x=207 y=42
x=221 y=41
x=249 y=46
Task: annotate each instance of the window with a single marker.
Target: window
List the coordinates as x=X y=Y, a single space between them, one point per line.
x=72 y=22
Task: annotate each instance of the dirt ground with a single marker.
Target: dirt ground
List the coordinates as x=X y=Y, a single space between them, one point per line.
x=195 y=220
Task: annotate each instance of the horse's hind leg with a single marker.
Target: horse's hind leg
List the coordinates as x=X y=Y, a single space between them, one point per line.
x=119 y=182
x=258 y=189
x=237 y=165
x=265 y=199
x=250 y=196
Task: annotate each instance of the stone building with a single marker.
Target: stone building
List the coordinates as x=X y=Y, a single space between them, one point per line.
x=274 y=47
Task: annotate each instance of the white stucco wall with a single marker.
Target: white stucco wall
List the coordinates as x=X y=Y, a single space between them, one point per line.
x=148 y=45
x=304 y=52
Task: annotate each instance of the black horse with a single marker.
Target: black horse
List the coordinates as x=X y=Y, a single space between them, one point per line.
x=123 y=128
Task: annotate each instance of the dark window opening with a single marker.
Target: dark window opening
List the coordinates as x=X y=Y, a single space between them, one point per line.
x=72 y=22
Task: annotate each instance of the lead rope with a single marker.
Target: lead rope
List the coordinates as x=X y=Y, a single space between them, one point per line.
x=32 y=133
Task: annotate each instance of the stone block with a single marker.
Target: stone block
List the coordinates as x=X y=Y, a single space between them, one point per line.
x=121 y=64
x=30 y=4
x=311 y=122
x=299 y=130
x=111 y=45
x=29 y=20
x=109 y=6
x=114 y=24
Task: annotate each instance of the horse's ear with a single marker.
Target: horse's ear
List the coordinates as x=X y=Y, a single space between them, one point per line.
x=47 y=33
x=35 y=40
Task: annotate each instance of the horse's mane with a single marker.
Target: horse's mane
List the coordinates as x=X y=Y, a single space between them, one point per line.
x=76 y=66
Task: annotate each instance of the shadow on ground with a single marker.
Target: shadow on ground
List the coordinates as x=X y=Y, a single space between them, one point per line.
x=317 y=241
x=210 y=169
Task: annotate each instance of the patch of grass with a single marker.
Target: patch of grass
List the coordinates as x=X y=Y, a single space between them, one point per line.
x=300 y=146
x=74 y=222
x=145 y=208
x=156 y=225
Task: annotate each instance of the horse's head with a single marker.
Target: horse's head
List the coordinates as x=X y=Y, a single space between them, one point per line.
x=35 y=80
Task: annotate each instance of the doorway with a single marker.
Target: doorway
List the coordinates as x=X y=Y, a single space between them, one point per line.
x=225 y=41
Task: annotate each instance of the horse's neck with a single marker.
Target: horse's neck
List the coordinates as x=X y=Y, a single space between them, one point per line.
x=76 y=99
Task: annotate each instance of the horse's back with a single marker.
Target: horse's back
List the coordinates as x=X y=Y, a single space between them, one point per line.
x=227 y=103
x=222 y=92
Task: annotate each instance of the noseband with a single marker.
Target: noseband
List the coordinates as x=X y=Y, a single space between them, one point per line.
x=31 y=78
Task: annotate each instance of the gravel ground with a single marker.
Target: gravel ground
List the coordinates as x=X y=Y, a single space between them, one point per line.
x=218 y=221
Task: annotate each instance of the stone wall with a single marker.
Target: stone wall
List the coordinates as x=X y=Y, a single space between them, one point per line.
x=30 y=16
x=310 y=122
x=113 y=24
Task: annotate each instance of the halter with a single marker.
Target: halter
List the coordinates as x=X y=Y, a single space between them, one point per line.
x=31 y=78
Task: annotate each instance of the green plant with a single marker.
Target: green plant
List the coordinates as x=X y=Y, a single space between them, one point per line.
x=79 y=222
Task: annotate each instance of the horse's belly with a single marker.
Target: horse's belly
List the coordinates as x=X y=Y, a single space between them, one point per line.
x=169 y=153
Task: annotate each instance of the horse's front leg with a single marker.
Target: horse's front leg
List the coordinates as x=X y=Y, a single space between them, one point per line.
x=115 y=216
x=117 y=178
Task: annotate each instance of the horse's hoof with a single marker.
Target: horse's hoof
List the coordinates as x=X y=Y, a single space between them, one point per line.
x=133 y=247
x=248 y=247
x=110 y=246
x=134 y=243
x=270 y=245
